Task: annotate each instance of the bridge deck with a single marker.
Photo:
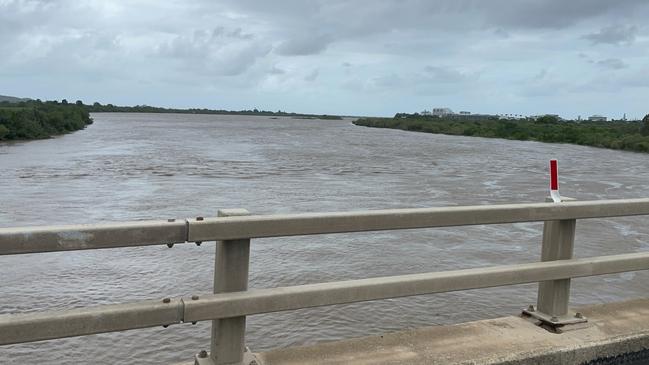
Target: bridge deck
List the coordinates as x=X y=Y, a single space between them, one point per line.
x=612 y=329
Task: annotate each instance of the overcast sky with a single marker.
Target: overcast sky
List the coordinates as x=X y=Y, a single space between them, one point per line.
x=380 y=57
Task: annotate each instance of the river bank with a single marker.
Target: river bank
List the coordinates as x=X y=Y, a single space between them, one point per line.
x=28 y=120
x=617 y=135
x=110 y=108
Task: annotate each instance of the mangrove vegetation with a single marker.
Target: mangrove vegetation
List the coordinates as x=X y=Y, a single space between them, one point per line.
x=619 y=135
x=22 y=119
x=99 y=108
x=34 y=119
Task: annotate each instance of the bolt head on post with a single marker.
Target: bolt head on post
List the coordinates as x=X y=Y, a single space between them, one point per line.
x=202 y=358
x=530 y=308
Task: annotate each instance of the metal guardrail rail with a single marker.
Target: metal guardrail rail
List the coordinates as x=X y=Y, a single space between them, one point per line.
x=232 y=301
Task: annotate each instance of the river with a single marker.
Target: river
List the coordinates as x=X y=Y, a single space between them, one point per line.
x=158 y=166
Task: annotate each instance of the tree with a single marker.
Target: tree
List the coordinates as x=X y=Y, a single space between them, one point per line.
x=547 y=119
x=3 y=131
x=645 y=126
x=64 y=102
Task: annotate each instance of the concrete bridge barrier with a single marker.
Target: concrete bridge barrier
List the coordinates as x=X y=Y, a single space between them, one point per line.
x=551 y=331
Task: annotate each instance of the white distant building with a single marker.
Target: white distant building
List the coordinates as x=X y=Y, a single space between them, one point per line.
x=597 y=118
x=440 y=112
x=465 y=113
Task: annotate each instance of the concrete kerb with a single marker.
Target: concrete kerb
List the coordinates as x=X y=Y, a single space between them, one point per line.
x=614 y=329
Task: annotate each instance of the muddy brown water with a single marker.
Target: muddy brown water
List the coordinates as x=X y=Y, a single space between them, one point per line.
x=158 y=166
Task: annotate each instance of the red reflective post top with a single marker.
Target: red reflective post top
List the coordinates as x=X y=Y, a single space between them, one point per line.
x=554 y=178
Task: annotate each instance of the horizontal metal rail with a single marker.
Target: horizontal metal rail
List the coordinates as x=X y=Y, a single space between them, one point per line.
x=80 y=237
x=91 y=236
x=379 y=220
x=341 y=292
x=18 y=328
x=47 y=325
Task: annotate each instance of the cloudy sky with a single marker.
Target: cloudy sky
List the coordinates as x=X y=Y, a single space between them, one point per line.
x=570 y=57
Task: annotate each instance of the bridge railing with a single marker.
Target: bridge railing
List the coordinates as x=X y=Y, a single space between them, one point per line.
x=231 y=300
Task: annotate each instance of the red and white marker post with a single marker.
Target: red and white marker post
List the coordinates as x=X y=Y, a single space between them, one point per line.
x=554 y=181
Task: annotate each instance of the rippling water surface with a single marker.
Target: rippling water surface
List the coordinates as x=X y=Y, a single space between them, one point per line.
x=157 y=166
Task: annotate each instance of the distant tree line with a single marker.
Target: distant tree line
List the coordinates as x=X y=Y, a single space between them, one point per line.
x=35 y=119
x=620 y=135
x=99 y=108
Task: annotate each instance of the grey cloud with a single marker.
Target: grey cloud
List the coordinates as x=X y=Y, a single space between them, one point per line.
x=445 y=75
x=256 y=49
x=500 y=32
x=236 y=33
x=614 y=34
x=541 y=75
x=622 y=82
x=304 y=45
x=387 y=81
x=202 y=42
x=433 y=80
x=639 y=79
x=312 y=76
x=551 y=14
x=276 y=71
x=218 y=52
x=359 y=18
x=612 y=63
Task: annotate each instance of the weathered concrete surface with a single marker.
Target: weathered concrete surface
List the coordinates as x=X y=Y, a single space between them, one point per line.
x=612 y=329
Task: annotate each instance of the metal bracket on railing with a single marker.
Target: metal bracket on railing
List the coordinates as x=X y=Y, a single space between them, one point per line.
x=249 y=358
x=554 y=323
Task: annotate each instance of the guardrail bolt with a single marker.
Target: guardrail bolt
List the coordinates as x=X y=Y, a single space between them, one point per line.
x=194 y=297
x=170 y=220
x=530 y=308
x=198 y=243
x=170 y=245
x=202 y=354
x=166 y=300
x=554 y=319
x=199 y=218
x=579 y=315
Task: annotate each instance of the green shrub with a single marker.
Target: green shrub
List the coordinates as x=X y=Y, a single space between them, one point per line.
x=631 y=136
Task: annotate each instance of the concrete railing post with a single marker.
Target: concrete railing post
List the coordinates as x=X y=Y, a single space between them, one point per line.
x=554 y=296
x=558 y=244
x=230 y=275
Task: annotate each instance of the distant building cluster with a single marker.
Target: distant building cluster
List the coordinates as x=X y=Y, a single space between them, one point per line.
x=597 y=118
x=442 y=112
x=448 y=112
x=463 y=114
